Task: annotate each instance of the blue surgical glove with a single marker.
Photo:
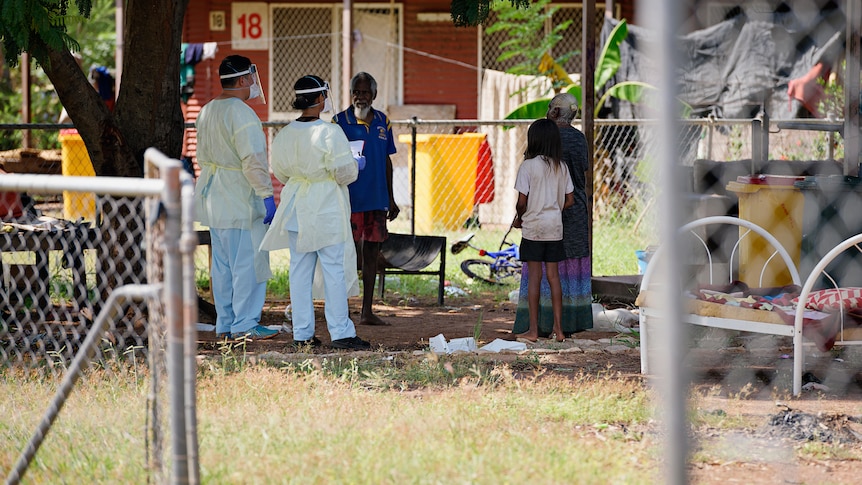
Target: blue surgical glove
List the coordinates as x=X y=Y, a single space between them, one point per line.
x=269 y=202
x=360 y=160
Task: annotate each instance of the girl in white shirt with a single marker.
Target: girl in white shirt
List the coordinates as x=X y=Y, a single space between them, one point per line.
x=544 y=190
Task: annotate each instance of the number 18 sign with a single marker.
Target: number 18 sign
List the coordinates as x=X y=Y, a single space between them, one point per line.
x=249 y=26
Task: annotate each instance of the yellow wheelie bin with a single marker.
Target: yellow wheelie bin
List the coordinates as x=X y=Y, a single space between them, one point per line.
x=445 y=179
x=773 y=203
x=76 y=161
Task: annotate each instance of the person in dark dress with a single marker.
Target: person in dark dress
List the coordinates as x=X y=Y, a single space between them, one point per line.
x=576 y=270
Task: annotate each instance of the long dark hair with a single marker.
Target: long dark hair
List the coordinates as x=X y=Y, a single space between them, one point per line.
x=543 y=139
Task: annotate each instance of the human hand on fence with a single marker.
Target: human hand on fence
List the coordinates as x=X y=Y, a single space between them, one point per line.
x=269 y=202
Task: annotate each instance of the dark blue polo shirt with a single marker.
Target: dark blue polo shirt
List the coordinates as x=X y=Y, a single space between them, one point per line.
x=370 y=191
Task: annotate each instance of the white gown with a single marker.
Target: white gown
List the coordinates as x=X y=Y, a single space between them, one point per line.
x=314 y=162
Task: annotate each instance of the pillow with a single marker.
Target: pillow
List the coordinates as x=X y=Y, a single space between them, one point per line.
x=832 y=299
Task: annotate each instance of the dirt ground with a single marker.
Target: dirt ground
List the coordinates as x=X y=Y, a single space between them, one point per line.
x=747 y=379
x=412 y=322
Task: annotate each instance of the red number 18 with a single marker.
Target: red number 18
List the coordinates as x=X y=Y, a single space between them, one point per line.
x=253 y=28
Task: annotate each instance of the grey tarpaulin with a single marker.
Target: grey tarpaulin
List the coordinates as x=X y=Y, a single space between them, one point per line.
x=738 y=65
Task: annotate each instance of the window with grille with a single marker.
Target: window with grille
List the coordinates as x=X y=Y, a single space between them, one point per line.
x=306 y=39
x=572 y=39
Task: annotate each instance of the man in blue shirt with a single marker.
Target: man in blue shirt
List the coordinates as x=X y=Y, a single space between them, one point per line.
x=372 y=201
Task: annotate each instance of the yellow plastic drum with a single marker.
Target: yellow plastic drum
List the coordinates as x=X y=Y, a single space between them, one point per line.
x=445 y=179
x=773 y=203
x=76 y=161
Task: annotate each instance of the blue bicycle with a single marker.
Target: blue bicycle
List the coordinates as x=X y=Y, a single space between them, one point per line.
x=501 y=267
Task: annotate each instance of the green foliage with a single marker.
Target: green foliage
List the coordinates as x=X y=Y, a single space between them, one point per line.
x=95 y=26
x=97 y=35
x=470 y=13
x=44 y=108
x=606 y=66
x=736 y=143
x=35 y=27
x=525 y=27
x=832 y=103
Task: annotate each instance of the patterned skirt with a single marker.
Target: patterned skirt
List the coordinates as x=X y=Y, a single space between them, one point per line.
x=575 y=279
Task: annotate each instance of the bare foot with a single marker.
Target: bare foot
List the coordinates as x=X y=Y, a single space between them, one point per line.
x=527 y=336
x=372 y=320
x=558 y=336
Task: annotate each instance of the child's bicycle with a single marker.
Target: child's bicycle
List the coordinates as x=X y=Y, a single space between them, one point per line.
x=500 y=267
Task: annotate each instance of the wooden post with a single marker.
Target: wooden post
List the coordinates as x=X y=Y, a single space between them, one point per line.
x=588 y=90
x=25 y=97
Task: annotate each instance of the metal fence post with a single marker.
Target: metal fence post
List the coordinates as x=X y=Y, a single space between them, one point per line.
x=188 y=244
x=415 y=121
x=756 y=147
x=174 y=323
x=710 y=129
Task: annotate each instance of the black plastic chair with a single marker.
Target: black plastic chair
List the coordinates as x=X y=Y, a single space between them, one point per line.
x=408 y=254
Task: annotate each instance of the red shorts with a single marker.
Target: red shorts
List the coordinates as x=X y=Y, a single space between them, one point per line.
x=369 y=226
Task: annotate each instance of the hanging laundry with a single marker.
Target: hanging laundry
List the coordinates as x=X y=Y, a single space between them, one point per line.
x=190 y=54
x=210 y=49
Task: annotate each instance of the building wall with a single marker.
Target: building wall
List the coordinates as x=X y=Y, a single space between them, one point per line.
x=440 y=60
x=430 y=80
x=197 y=29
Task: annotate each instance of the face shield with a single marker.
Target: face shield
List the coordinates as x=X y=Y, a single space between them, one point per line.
x=327 y=94
x=255 y=91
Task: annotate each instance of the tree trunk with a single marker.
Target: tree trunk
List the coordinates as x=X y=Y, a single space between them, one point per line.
x=147 y=112
x=98 y=128
x=148 y=107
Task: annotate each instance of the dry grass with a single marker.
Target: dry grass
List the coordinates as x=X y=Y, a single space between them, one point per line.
x=264 y=424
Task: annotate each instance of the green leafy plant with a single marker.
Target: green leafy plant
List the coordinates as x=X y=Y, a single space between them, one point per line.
x=736 y=143
x=607 y=64
x=469 y=13
x=93 y=23
x=832 y=102
x=525 y=27
x=49 y=22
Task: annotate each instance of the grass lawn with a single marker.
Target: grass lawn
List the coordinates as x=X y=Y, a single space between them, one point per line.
x=413 y=419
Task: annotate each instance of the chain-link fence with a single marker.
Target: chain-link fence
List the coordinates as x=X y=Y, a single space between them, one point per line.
x=464 y=175
x=452 y=177
x=103 y=286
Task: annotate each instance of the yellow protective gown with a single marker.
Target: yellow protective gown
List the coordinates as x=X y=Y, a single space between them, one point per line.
x=314 y=162
x=234 y=177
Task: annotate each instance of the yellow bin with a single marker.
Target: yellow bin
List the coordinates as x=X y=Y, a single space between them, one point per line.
x=773 y=203
x=76 y=161
x=445 y=179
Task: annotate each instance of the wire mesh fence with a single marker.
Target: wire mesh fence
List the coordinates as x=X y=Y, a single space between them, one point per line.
x=463 y=176
x=58 y=273
x=89 y=290
x=452 y=178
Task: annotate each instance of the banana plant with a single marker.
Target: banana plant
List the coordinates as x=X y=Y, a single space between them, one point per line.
x=606 y=66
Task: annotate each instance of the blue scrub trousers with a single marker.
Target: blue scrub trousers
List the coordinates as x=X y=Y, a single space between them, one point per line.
x=239 y=298
x=335 y=291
